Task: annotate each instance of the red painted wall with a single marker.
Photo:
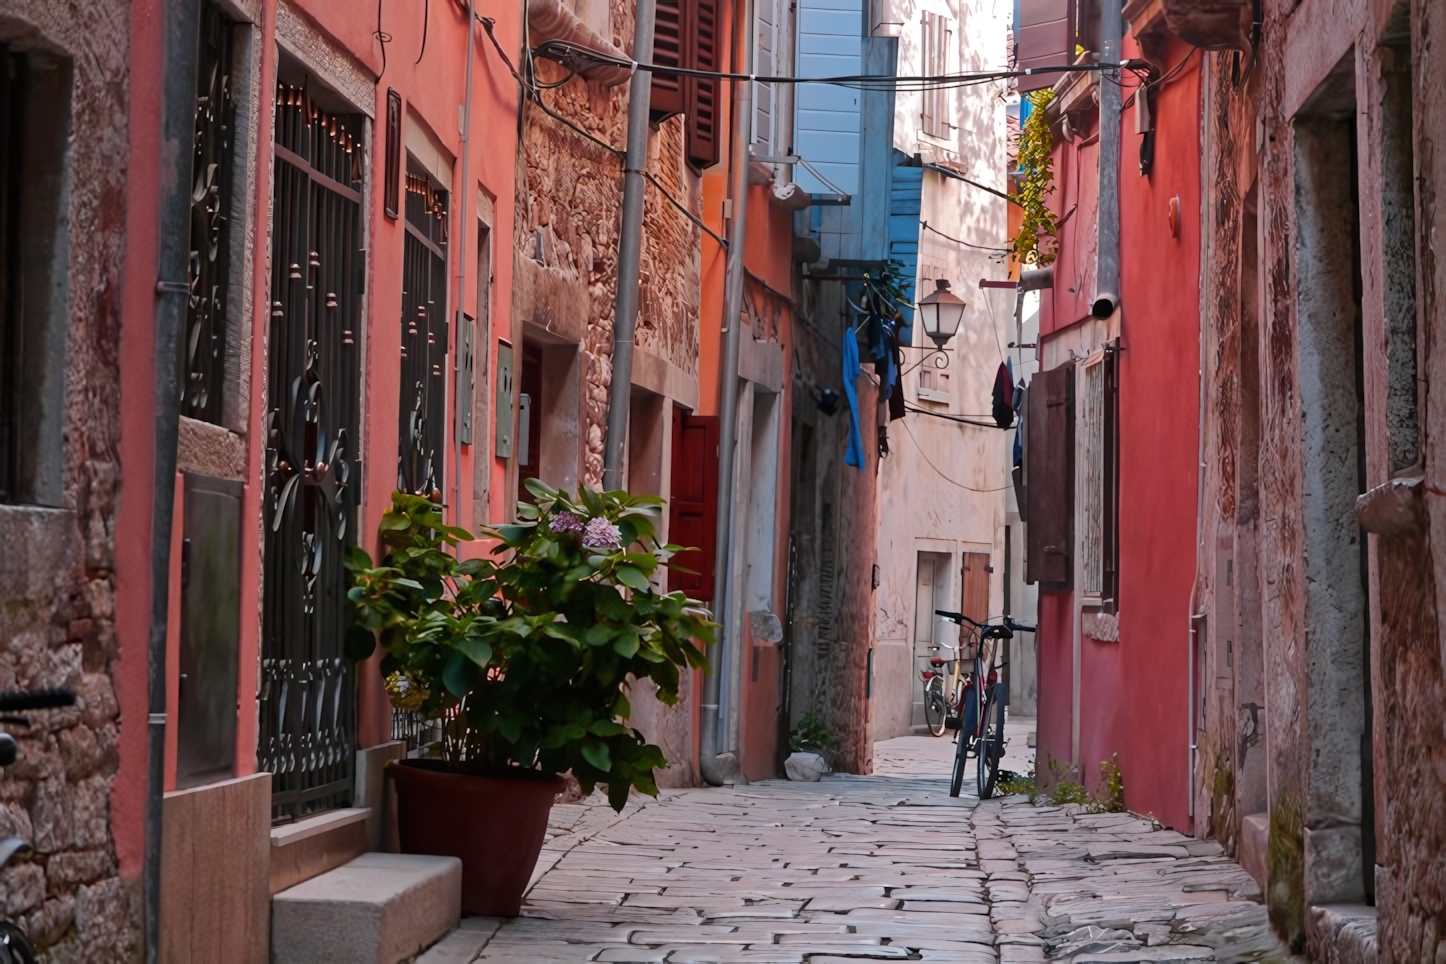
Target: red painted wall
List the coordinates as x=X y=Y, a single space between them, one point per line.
x=1159 y=445
x=1133 y=694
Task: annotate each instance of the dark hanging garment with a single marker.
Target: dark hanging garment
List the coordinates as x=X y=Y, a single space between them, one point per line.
x=896 y=396
x=1003 y=410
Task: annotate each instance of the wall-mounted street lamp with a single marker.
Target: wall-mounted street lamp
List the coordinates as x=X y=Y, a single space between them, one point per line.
x=941 y=311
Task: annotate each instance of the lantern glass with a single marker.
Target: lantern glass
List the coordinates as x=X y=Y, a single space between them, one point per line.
x=941 y=312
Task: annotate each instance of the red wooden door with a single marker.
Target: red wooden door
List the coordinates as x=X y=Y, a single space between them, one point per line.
x=693 y=503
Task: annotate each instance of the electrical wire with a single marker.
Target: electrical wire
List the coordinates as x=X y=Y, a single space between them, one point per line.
x=961 y=419
x=980 y=247
x=940 y=473
x=555 y=49
x=383 y=38
x=426 y=24
x=534 y=94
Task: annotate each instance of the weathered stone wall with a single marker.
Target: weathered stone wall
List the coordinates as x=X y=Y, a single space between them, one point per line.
x=57 y=584
x=1259 y=487
x=570 y=188
x=834 y=526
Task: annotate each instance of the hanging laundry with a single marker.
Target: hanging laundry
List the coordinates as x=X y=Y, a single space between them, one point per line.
x=1003 y=410
x=896 y=394
x=1019 y=393
x=855 y=453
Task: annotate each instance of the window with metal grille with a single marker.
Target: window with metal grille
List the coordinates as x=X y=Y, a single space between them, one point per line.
x=203 y=349
x=936 y=63
x=424 y=338
x=686 y=35
x=34 y=307
x=313 y=472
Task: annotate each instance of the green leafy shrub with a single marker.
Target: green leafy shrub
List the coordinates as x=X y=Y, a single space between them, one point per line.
x=812 y=735
x=525 y=659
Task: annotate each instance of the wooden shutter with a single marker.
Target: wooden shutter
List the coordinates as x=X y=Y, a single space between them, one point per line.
x=1044 y=37
x=1109 y=592
x=1049 y=473
x=693 y=503
x=667 y=89
x=974 y=592
x=700 y=94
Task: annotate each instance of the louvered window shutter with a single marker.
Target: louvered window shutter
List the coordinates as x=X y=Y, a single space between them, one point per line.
x=693 y=506
x=1111 y=549
x=1049 y=472
x=700 y=94
x=763 y=65
x=1044 y=37
x=667 y=89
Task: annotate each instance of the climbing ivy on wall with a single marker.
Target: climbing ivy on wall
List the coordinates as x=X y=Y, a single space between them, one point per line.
x=1035 y=147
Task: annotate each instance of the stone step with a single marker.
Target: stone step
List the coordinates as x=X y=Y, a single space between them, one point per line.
x=377 y=909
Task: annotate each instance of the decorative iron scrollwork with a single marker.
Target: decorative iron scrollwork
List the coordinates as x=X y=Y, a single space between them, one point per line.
x=203 y=350
x=308 y=686
x=422 y=437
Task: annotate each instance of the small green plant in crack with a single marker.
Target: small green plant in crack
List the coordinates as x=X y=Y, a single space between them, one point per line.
x=1018 y=783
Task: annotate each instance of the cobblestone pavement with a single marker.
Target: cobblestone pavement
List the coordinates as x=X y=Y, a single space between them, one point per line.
x=886 y=867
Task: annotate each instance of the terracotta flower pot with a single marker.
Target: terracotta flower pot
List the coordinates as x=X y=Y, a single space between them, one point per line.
x=495 y=825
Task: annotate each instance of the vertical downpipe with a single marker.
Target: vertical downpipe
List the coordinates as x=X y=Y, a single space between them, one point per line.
x=630 y=248
x=182 y=20
x=720 y=653
x=463 y=230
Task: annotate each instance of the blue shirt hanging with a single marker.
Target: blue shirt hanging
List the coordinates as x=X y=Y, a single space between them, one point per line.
x=855 y=454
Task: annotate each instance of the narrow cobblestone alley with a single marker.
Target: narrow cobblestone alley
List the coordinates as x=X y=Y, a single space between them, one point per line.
x=886 y=867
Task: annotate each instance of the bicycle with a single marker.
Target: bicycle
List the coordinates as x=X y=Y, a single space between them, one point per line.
x=981 y=727
x=15 y=946
x=943 y=690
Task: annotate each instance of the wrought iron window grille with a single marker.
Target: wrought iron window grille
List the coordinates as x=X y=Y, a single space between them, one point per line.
x=308 y=686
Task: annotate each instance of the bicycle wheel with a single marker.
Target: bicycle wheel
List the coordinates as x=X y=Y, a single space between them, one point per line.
x=14 y=945
x=991 y=742
x=961 y=751
x=935 y=709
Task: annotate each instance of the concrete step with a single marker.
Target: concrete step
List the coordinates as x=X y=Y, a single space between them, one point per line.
x=377 y=909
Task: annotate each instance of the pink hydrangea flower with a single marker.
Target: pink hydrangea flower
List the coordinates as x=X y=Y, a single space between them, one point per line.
x=601 y=534
x=564 y=522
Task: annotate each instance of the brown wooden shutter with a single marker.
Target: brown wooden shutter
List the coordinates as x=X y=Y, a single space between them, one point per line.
x=700 y=94
x=1049 y=471
x=693 y=502
x=667 y=89
x=974 y=593
x=1109 y=590
x=1044 y=37
x=393 y=189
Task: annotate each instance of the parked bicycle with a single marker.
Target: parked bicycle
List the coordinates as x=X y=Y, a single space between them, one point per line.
x=943 y=688
x=15 y=946
x=981 y=720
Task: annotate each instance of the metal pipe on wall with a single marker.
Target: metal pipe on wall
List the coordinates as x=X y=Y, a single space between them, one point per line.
x=1107 y=264
x=721 y=652
x=181 y=38
x=462 y=230
x=630 y=248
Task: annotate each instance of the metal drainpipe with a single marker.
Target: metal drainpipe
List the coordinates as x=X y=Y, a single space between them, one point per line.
x=720 y=653
x=630 y=248
x=182 y=20
x=1107 y=265
x=462 y=269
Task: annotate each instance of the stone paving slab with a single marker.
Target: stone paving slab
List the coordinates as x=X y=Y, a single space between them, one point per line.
x=888 y=867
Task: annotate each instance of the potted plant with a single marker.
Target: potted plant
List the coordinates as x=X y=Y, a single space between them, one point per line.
x=525 y=659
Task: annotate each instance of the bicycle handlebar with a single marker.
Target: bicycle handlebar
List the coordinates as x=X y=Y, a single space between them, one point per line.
x=15 y=700
x=961 y=619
